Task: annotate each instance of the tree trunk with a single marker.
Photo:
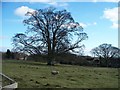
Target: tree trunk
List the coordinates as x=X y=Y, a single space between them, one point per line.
x=49 y=62
x=51 y=51
x=106 y=59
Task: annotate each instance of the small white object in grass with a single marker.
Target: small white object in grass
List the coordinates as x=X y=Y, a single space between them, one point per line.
x=54 y=72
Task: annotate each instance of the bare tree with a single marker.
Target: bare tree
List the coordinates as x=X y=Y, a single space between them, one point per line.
x=51 y=32
x=106 y=51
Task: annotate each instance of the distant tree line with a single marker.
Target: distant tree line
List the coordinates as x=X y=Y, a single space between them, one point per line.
x=13 y=55
x=105 y=55
x=73 y=59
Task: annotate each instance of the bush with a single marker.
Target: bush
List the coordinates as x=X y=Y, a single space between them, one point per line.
x=37 y=58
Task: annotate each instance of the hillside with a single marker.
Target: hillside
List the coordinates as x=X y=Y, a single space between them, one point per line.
x=30 y=74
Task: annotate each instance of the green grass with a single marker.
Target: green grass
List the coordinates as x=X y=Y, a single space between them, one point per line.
x=38 y=75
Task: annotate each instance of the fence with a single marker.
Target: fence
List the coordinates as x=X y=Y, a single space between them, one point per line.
x=7 y=83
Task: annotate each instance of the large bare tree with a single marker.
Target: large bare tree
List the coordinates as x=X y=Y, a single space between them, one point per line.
x=51 y=32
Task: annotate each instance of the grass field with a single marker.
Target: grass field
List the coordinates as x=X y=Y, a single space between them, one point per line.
x=38 y=75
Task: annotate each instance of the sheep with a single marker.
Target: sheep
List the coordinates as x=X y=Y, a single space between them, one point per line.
x=54 y=72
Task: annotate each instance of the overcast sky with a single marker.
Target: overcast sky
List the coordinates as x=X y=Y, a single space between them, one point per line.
x=99 y=19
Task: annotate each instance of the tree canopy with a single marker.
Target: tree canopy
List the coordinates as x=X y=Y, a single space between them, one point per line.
x=106 y=51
